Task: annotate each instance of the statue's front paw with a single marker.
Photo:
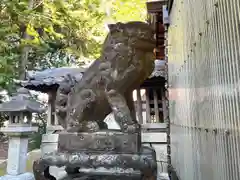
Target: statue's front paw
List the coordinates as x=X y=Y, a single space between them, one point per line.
x=88 y=126
x=92 y=126
x=134 y=128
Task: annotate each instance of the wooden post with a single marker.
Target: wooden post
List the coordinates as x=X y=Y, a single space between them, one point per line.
x=156 y=108
x=139 y=107
x=148 y=112
x=55 y=120
x=164 y=106
x=51 y=109
x=144 y=107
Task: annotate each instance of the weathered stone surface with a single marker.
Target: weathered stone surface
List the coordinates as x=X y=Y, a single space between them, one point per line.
x=18 y=146
x=141 y=161
x=49 y=143
x=96 y=164
x=98 y=142
x=17 y=155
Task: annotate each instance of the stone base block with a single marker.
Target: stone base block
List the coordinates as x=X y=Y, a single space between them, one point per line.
x=25 y=176
x=102 y=141
x=54 y=129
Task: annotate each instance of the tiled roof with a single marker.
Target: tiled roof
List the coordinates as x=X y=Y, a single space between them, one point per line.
x=43 y=80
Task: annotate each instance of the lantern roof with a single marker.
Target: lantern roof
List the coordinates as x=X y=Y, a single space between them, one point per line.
x=22 y=102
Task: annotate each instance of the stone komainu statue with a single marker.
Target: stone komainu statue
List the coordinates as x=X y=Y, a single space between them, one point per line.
x=106 y=86
x=82 y=105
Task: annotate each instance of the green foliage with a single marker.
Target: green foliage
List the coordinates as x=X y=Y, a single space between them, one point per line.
x=46 y=27
x=56 y=28
x=129 y=10
x=76 y=24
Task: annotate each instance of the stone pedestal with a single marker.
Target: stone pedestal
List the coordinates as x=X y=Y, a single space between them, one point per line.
x=17 y=155
x=50 y=139
x=49 y=143
x=17 y=151
x=109 y=155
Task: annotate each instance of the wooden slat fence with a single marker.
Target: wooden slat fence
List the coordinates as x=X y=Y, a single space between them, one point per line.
x=203 y=51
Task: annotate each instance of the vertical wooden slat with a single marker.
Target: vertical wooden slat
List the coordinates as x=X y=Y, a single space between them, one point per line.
x=148 y=115
x=49 y=112
x=144 y=107
x=156 y=108
x=205 y=125
x=139 y=106
x=54 y=120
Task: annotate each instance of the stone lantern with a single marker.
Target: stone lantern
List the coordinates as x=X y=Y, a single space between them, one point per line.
x=19 y=109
